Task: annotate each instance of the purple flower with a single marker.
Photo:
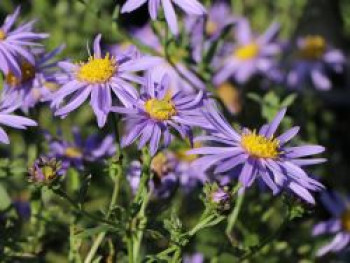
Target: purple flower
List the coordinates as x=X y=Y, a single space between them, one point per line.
x=100 y=76
x=14 y=43
x=194 y=258
x=259 y=155
x=74 y=154
x=315 y=57
x=156 y=111
x=7 y=106
x=250 y=56
x=191 y=7
x=36 y=81
x=338 y=225
x=219 y=16
x=45 y=170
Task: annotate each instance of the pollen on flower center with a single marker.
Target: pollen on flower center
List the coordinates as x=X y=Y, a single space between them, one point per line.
x=97 y=70
x=28 y=73
x=73 y=152
x=160 y=109
x=211 y=27
x=260 y=146
x=2 y=35
x=345 y=220
x=247 y=52
x=313 y=47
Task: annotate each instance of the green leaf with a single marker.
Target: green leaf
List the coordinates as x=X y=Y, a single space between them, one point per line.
x=5 y=200
x=289 y=100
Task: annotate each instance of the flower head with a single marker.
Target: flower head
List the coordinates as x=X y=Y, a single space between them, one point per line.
x=338 y=225
x=157 y=111
x=74 y=154
x=45 y=170
x=36 y=81
x=314 y=59
x=100 y=76
x=252 y=54
x=14 y=43
x=259 y=156
x=191 y=7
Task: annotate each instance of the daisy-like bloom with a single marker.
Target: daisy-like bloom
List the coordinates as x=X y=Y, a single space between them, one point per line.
x=250 y=56
x=190 y=7
x=7 y=107
x=36 y=81
x=157 y=111
x=45 y=170
x=74 y=154
x=338 y=225
x=14 y=44
x=259 y=155
x=99 y=77
x=314 y=58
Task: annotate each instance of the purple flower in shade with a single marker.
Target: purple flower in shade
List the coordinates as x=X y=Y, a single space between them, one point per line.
x=262 y=156
x=219 y=16
x=74 y=154
x=250 y=56
x=181 y=77
x=36 y=81
x=156 y=111
x=190 y=7
x=100 y=76
x=315 y=58
x=7 y=107
x=338 y=225
x=165 y=179
x=14 y=44
x=194 y=258
x=45 y=170
x=23 y=208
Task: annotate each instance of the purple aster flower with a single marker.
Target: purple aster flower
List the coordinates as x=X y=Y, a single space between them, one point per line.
x=45 y=170
x=190 y=7
x=14 y=44
x=194 y=258
x=250 y=56
x=99 y=77
x=338 y=225
x=36 y=81
x=259 y=155
x=74 y=154
x=7 y=107
x=156 y=111
x=315 y=57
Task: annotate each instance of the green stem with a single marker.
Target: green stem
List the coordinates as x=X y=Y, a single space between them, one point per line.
x=232 y=219
x=115 y=170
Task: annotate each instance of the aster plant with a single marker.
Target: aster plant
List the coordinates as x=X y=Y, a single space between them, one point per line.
x=338 y=225
x=191 y=7
x=157 y=111
x=259 y=155
x=14 y=44
x=100 y=77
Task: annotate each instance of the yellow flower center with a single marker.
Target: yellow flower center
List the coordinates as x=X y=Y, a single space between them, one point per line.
x=160 y=110
x=345 y=220
x=28 y=73
x=97 y=70
x=314 y=47
x=260 y=146
x=2 y=35
x=247 y=52
x=73 y=152
x=211 y=27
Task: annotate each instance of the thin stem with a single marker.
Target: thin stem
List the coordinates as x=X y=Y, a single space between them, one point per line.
x=232 y=219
